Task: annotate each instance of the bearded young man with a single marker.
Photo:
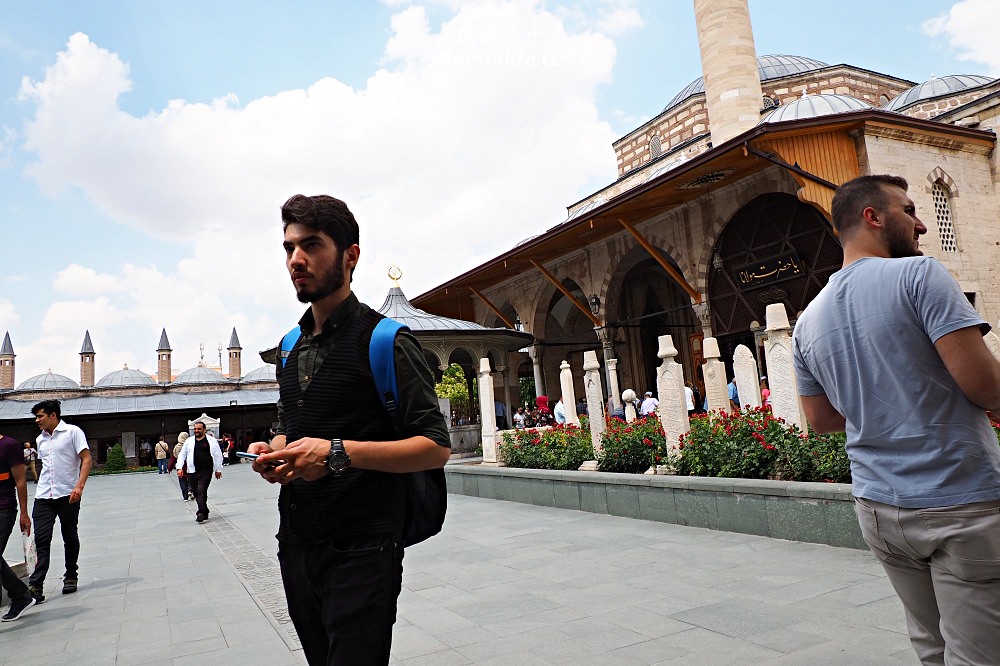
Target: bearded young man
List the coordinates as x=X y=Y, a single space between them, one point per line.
x=892 y=352
x=337 y=454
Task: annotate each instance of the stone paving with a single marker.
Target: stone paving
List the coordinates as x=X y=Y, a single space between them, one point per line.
x=504 y=583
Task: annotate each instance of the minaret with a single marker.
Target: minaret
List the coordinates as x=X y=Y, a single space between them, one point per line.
x=163 y=359
x=729 y=65
x=235 y=351
x=87 y=355
x=6 y=363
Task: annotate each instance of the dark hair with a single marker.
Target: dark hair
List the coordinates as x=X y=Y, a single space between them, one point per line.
x=855 y=195
x=322 y=213
x=49 y=407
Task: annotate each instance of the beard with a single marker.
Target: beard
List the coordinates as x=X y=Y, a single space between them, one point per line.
x=326 y=283
x=899 y=243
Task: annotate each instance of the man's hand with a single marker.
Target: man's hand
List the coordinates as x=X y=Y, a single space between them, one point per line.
x=302 y=459
x=75 y=495
x=266 y=470
x=25 y=524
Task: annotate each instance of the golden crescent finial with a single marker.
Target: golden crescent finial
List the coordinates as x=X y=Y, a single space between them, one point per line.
x=395 y=274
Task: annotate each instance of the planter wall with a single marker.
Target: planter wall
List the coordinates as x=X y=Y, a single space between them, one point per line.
x=811 y=512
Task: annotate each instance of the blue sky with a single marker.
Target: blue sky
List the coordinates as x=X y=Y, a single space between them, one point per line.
x=146 y=147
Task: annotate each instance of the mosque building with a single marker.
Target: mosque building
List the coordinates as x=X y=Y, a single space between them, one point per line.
x=722 y=207
x=129 y=406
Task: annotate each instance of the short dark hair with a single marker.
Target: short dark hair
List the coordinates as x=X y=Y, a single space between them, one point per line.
x=322 y=213
x=49 y=407
x=855 y=195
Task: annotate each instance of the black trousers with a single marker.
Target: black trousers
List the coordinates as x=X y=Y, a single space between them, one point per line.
x=199 y=483
x=342 y=598
x=16 y=590
x=44 y=514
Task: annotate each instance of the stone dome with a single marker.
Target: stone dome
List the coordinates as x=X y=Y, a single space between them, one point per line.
x=936 y=87
x=812 y=106
x=200 y=375
x=47 y=382
x=125 y=377
x=768 y=67
x=265 y=374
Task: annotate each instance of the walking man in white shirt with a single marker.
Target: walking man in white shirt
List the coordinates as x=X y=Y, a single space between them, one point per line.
x=649 y=405
x=66 y=464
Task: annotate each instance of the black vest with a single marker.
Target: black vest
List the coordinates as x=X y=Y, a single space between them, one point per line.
x=340 y=401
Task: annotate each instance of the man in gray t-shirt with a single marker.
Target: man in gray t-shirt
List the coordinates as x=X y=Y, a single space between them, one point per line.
x=891 y=352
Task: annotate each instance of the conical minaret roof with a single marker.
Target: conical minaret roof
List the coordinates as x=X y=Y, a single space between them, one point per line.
x=7 y=349
x=234 y=342
x=164 y=343
x=88 y=347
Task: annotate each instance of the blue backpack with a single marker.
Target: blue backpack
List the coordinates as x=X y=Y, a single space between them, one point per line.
x=426 y=491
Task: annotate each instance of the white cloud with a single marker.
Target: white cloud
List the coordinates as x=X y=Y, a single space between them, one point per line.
x=9 y=318
x=970 y=27
x=468 y=139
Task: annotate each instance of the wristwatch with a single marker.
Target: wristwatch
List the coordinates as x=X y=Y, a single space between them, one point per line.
x=337 y=461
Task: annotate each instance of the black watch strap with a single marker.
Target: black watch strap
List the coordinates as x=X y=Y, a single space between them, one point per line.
x=337 y=461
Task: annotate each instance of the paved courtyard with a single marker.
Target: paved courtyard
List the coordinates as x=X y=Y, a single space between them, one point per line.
x=504 y=583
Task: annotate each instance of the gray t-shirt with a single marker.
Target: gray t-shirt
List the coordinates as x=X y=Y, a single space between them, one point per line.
x=867 y=342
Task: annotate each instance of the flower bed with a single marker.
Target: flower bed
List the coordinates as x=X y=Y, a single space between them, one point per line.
x=749 y=444
x=556 y=447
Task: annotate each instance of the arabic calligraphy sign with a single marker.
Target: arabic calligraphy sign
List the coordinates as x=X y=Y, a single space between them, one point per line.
x=769 y=271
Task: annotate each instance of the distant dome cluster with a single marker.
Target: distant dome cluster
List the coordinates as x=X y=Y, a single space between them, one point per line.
x=47 y=382
x=812 y=106
x=768 y=67
x=936 y=87
x=125 y=377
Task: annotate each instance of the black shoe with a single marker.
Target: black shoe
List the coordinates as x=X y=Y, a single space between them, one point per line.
x=36 y=593
x=69 y=585
x=17 y=609
x=200 y=518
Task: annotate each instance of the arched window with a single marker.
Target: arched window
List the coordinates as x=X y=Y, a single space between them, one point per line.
x=655 y=149
x=942 y=212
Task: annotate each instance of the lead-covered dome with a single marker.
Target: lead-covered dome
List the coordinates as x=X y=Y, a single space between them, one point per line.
x=125 y=377
x=265 y=374
x=768 y=67
x=812 y=106
x=47 y=382
x=199 y=375
x=936 y=87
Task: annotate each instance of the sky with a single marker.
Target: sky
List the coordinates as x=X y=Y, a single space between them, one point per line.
x=146 y=147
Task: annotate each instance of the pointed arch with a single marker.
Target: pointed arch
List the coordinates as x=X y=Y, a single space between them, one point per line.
x=938 y=174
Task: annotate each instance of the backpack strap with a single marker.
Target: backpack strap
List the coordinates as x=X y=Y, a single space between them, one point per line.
x=288 y=343
x=381 y=358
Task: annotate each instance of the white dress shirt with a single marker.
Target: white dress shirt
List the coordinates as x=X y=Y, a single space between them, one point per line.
x=60 y=455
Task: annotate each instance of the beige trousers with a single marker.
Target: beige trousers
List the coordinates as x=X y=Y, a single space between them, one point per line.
x=944 y=563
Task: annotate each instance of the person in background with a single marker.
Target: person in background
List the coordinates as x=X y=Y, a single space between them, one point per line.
x=520 y=419
x=202 y=458
x=182 y=481
x=765 y=393
x=734 y=395
x=30 y=458
x=689 y=398
x=560 y=411
x=500 y=411
x=581 y=407
x=162 y=453
x=649 y=405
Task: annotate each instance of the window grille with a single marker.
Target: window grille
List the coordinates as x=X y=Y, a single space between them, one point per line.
x=655 y=149
x=942 y=211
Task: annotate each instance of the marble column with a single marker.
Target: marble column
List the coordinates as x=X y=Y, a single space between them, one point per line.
x=568 y=393
x=715 y=377
x=670 y=387
x=487 y=414
x=785 y=401
x=535 y=352
x=613 y=387
x=595 y=406
x=630 y=399
x=747 y=380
